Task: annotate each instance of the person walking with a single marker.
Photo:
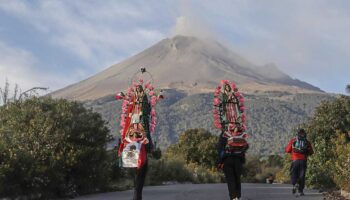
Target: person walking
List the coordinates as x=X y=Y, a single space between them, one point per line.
x=299 y=148
x=230 y=119
x=138 y=121
x=232 y=147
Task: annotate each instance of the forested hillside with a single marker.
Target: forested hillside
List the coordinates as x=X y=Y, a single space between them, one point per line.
x=271 y=116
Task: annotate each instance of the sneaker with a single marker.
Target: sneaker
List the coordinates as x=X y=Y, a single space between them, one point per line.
x=301 y=193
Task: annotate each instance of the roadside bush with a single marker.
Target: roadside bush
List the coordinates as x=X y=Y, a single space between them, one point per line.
x=330 y=119
x=283 y=175
x=258 y=169
x=342 y=163
x=168 y=170
x=202 y=174
x=328 y=131
x=195 y=146
x=51 y=148
x=192 y=158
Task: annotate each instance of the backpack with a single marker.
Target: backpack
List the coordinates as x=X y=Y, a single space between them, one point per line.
x=300 y=145
x=236 y=145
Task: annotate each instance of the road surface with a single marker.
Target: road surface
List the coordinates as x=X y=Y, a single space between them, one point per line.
x=209 y=192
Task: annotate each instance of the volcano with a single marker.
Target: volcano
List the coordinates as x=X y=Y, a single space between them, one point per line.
x=190 y=64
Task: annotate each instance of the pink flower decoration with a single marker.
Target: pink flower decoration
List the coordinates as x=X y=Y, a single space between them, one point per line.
x=152 y=127
x=216 y=101
x=147 y=85
x=217 y=125
x=151 y=93
x=153 y=112
x=233 y=85
x=242 y=108
x=141 y=81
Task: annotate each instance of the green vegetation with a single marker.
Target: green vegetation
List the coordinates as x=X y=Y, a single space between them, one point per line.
x=257 y=169
x=271 y=117
x=57 y=148
x=195 y=146
x=193 y=157
x=329 y=133
x=51 y=148
x=342 y=163
x=283 y=175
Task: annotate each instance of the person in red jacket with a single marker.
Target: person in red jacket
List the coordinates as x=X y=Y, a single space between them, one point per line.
x=300 y=148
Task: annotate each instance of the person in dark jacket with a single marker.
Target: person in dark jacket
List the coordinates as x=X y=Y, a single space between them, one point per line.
x=299 y=148
x=231 y=150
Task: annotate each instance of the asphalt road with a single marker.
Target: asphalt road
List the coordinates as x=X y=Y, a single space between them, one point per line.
x=208 y=192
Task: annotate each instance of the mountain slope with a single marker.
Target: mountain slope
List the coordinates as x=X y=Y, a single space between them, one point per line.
x=186 y=63
x=271 y=117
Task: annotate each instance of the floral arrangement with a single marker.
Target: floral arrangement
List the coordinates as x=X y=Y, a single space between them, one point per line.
x=218 y=102
x=153 y=98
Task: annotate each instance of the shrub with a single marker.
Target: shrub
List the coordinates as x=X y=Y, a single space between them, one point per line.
x=195 y=146
x=51 y=148
x=329 y=118
x=342 y=163
x=167 y=170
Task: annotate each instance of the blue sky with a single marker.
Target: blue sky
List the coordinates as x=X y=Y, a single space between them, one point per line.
x=57 y=43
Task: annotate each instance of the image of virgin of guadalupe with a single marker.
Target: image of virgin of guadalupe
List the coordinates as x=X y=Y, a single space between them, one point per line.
x=139 y=113
x=230 y=106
